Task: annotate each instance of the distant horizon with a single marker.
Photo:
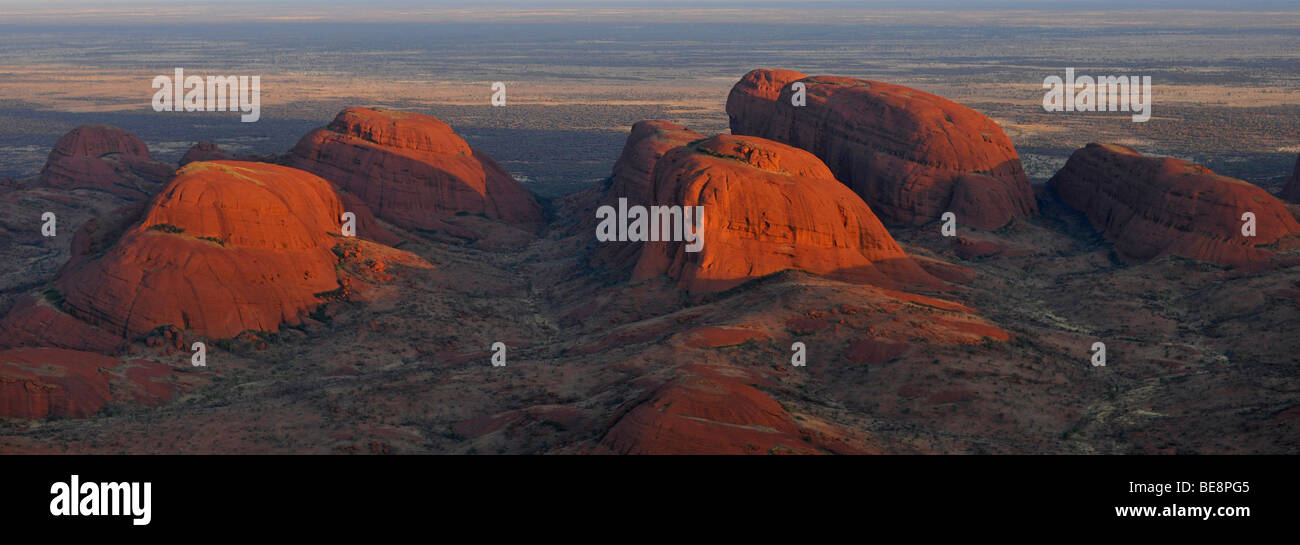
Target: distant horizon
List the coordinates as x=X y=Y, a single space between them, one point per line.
x=824 y=12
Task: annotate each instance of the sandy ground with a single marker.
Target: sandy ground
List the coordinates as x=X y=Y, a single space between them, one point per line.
x=69 y=88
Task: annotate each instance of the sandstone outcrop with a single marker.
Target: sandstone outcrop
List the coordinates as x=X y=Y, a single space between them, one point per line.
x=1151 y=206
x=704 y=411
x=367 y=226
x=911 y=155
x=632 y=179
x=227 y=246
x=104 y=158
x=768 y=207
x=414 y=171
x=648 y=141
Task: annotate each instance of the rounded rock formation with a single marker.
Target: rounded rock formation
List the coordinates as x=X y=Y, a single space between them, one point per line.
x=414 y=171
x=646 y=144
x=367 y=226
x=1151 y=206
x=768 y=207
x=104 y=158
x=704 y=411
x=632 y=179
x=227 y=246
x=909 y=154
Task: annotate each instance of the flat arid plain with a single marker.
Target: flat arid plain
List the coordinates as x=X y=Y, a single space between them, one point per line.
x=983 y=343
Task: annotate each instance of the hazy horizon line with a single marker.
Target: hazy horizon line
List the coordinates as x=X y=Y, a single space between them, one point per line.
x=929 y=13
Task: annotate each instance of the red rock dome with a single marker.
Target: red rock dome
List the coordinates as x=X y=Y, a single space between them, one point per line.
x=646 y=144
x=1150 y=206
x=632 y=179
x=911 y=155
x=227 y=246
x=768 y=207
x=704 y=411
x=104 y=158
x=413 y=170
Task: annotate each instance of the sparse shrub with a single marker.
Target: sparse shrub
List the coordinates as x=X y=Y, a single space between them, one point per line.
x=166 y=228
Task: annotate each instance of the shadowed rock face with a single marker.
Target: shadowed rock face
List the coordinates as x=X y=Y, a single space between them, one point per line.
x=1150 y=206
x=1291 y=191
x=413 y=171
x=768 y=207
x=106 y=159
x=42 y=382
x=909 y=154
x=227 y=246
x=204 y=151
